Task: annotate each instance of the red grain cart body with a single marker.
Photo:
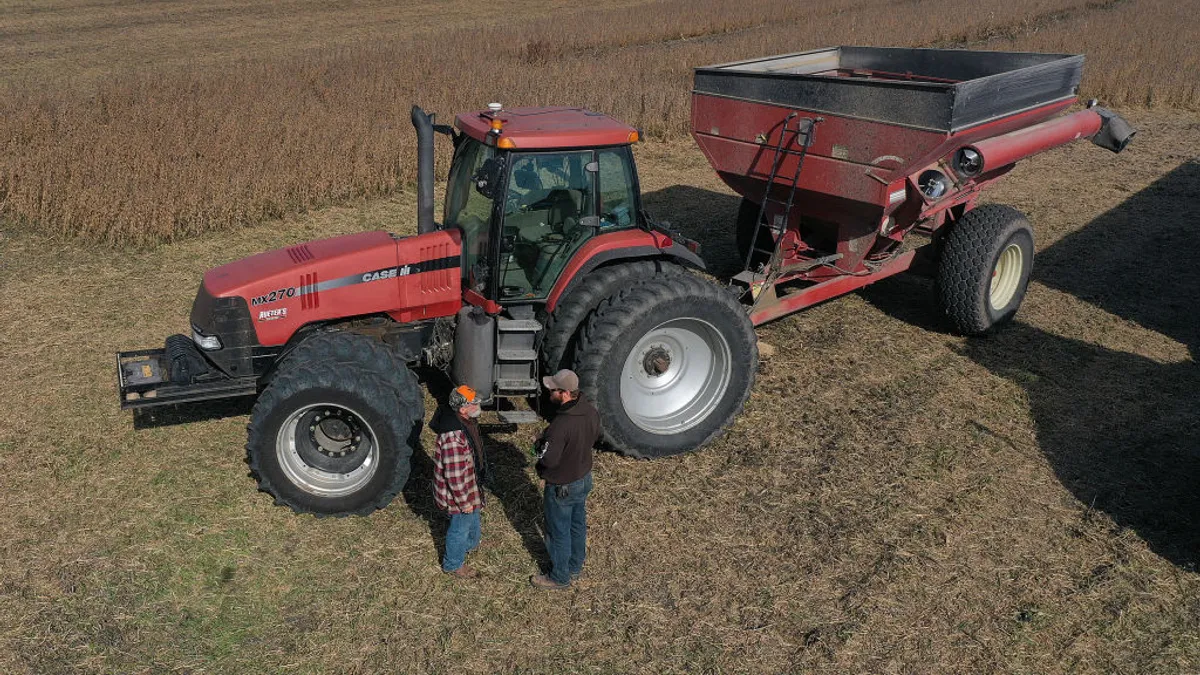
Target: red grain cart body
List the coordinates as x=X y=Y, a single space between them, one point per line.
x=879 y=142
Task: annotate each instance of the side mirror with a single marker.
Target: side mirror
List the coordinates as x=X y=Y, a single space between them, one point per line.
x=487 y=178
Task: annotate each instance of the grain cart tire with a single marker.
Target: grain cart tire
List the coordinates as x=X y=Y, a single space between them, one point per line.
x=562 y=326
x=669 y=365
x=333 y=432
x=747 y=213
x=984 y=268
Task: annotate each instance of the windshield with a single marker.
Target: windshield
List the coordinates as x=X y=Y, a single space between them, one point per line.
x=469 y=210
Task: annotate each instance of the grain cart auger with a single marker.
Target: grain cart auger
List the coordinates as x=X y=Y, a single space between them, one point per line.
x=545 y=259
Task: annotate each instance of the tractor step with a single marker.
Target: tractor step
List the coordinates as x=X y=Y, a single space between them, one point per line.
x=517 y=354
x=518 y=325
x=518 y=416
x=516 y=385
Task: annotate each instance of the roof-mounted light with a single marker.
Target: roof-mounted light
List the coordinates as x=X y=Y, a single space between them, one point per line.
x=634 y=136
x=506 y=144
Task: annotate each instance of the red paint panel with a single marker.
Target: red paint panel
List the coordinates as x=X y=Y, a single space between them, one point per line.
x=429 y=293
x=612 y=241
x=544 y=128
x=272 y=267
x=850 y=158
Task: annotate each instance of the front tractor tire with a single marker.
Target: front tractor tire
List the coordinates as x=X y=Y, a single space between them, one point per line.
x=333 y=432
x=669 y=365
x=984 y=268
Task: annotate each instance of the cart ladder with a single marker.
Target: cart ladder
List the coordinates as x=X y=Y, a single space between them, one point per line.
x=796 y=131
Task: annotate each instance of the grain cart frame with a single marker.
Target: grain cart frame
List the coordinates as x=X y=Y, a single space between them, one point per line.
x=545 y=259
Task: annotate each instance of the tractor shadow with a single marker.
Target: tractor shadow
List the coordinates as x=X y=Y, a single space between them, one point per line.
x=1121 y=431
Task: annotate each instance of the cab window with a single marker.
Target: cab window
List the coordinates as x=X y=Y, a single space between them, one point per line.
x=549 y=211
x=618 y=203
x=471 y=211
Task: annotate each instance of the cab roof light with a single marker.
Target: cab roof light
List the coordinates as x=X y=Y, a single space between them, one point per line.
x=506 y=144
x=635 y=136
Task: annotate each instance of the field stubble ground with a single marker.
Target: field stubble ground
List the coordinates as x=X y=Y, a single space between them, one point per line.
x=894 y=499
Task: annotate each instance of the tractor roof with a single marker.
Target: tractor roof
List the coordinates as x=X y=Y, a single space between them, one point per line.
x=545 y=128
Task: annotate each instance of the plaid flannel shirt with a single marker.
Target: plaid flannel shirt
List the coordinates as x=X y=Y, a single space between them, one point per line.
x=454 y=484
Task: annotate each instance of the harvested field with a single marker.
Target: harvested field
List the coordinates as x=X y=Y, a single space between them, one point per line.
x=895 y=498
x=135 y=123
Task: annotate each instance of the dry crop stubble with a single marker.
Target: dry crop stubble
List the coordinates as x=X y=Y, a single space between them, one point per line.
x=891 y=501
x=277 y=126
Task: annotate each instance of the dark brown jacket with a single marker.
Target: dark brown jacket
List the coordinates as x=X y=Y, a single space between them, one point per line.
x=565 y=448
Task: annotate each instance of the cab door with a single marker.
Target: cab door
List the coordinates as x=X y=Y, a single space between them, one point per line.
x=555 y=202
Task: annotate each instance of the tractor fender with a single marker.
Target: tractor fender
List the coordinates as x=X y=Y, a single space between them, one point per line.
x=623 y=245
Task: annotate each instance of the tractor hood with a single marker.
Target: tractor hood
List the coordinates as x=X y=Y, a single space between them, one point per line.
x=274 y=268
x=323 y=281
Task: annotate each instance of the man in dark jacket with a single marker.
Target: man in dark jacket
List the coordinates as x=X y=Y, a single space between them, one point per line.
x=565 y=464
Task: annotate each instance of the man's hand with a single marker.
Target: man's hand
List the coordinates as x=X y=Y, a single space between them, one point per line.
x=468 y=509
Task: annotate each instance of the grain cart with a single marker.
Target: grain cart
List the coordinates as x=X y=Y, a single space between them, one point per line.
x=545 y=259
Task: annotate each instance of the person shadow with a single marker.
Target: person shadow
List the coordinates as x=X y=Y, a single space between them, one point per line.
x=1120 y=430
x=504 y=476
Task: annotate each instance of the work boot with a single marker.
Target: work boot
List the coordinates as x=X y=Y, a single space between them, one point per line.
x=463 y=572
x=544 y=582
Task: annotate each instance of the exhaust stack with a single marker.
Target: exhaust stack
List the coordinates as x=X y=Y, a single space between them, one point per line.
x=424 y=126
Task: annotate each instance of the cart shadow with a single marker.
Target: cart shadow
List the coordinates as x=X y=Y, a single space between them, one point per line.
x=1121 y=431
x=705 y=216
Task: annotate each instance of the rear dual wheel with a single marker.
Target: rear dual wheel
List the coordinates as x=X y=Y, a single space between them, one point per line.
x=669 y=364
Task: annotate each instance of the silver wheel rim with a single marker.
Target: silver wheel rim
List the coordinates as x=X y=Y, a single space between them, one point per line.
x=675 y=376
x=327 y=450
x=1006 y=276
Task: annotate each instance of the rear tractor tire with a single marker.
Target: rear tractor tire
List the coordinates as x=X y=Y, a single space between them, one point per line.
x=570 y=314
x=669 y=364
x=333 y=432
x=984 y=268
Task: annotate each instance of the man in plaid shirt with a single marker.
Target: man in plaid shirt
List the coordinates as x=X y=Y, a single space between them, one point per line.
x=459 y=451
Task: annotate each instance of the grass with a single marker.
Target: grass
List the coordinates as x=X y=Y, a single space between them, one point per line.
x=138 y=124
x=894 y=499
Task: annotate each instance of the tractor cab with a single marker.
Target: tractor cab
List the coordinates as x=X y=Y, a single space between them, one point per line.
x=528 y=187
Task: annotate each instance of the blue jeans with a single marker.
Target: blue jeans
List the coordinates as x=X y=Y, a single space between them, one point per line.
x=566 y=527
x=461 y=539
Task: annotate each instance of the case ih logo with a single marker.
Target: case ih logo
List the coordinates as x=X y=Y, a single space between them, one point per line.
x=389 y=273
x=272 y=314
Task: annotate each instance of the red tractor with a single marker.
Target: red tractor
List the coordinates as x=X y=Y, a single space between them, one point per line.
x=545 y=259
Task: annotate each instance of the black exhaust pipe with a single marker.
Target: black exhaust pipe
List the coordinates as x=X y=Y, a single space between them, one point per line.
x=424 y=126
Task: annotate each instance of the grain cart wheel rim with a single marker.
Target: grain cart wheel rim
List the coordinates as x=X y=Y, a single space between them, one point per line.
x=327 y=450
x=1006 y=277
x=675 y=376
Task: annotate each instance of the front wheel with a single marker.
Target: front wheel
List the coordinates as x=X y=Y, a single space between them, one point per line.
x=984 y=268
x=669 y=365
x=332 y=433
